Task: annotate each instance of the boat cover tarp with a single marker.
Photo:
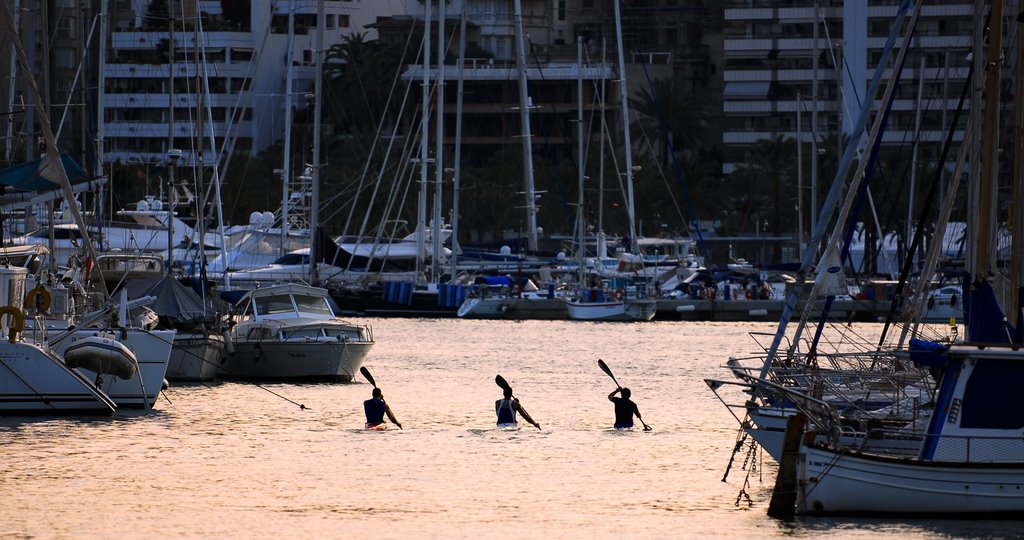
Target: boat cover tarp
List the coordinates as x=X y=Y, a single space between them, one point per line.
x=328 y=251
x=174 y=301
x=398 y=292
x=928 y=354
x=494 y=281
x=992 y=396
x=450 y=295
x=26 y=177
x=983 y=318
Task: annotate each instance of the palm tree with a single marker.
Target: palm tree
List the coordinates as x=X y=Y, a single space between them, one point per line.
x=677 y=119
x=769 y=170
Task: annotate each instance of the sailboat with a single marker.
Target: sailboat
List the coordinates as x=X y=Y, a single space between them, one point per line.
x=963 y=453
x=33 y=378
x=616 y=298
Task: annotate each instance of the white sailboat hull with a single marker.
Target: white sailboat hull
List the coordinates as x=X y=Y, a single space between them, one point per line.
x=35 y=382
x=153 y=350
x=628 y=310
x=513 y=308
x=195 y=357
x=334 y=361
x=833 y=483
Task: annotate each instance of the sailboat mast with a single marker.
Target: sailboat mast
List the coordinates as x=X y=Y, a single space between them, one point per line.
x=421 y=212
x=458 y=145
x=602 y=246
x=11 y=78
x=170 y=134
x=1017 y=230
x=318 y=86
x=627 y=146
x=98 y=168
x=989 y=166
x=286 y=175
x=524 y=116
x=52 y=168
x=436 y=228
x=580 y=219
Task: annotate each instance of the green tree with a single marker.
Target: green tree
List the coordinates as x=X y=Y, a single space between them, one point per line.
x=763 y=183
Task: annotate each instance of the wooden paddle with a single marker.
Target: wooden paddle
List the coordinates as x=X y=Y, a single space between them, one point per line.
x=604 y=367
x=500 y=381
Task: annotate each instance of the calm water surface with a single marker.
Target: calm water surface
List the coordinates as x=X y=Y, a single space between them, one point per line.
x=240 y=460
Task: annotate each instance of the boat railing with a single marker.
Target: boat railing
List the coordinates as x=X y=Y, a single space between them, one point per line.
x=39 y=331
x=935 y=447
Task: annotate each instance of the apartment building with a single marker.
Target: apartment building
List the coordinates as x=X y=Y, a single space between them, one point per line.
x=248 y=66
x=774 y=67
x=661 y=39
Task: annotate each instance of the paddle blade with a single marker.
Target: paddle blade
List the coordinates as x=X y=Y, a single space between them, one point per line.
x=604 y=367
x=366 y=373
x=500 y=381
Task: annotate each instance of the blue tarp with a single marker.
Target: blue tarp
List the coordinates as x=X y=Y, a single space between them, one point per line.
x=928 y=353
x=25 y=177
x=983 y=318
x=398 y=292
x=450 y=295
x=494 y=281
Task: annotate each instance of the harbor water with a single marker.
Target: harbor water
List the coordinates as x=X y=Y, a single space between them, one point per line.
x=232 y=460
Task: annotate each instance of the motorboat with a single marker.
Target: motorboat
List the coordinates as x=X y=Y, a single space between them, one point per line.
x=290 y=333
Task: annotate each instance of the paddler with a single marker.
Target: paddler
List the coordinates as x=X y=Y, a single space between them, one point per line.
x=375 y=409
x=624 y=408
x=506 y=409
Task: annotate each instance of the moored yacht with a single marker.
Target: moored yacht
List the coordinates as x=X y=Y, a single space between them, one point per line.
x=290 y=333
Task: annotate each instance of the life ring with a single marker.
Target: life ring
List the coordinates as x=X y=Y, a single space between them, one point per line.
x=38 y=298
x=19 y=321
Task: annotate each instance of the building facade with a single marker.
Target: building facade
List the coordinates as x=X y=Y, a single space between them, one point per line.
x=775 y=68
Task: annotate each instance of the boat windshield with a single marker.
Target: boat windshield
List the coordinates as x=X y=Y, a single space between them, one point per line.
x=278 y=303
x=313 y=304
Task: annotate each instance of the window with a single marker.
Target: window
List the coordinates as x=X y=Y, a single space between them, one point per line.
x=241 y=55
x=66 y=28
x=278 y=303
x=342 y=21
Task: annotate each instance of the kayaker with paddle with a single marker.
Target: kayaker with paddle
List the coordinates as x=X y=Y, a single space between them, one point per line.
x=507 y=407
x=624 y=409
x=375 y=409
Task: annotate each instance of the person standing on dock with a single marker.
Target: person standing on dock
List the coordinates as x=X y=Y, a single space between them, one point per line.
x=506 y=409
x=624 y=408
x=375 y=409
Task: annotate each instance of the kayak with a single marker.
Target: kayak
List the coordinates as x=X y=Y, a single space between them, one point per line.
x=377 y=427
